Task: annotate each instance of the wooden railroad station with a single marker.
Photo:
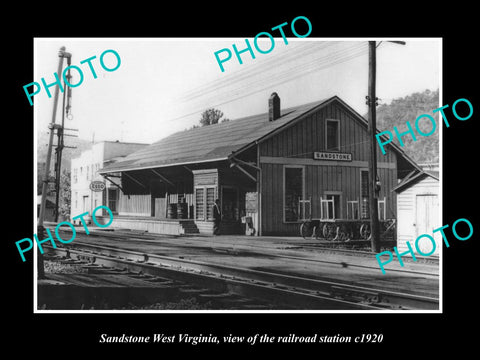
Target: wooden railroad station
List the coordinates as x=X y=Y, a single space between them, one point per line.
x=269 y=171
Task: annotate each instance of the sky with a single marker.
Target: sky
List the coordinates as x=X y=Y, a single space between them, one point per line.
x=164 y=84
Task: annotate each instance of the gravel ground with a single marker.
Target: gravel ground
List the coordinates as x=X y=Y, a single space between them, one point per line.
x=55 y=267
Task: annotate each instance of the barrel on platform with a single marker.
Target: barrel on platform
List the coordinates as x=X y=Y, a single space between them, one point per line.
x=172 y=211
x=182 y=210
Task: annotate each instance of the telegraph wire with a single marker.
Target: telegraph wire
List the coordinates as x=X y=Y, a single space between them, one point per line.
x=294 y=72
x=298 y=50
x=243 y=96
x=332 y=59
x=266 y=65
x=312 y=66
x=242 y=73
x=296 y=69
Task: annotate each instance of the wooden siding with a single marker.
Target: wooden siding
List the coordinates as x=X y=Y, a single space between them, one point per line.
x=407 y=228
x=205 y=177
x=318 y=181
x=160 y=208
x=137 y=205
x=295 y=145
x=169 y=227
x=308 y=135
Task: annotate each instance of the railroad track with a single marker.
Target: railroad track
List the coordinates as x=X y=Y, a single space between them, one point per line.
x=280 y=252
x=279 y=290
x=113 y=284
x=334 y=247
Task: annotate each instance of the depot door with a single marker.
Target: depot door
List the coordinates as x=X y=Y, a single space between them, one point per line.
x=204 y=199
x=230 y=203
x=85 y=204
x=427 y=220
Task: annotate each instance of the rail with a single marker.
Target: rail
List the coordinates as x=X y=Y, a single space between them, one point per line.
x=293 y=291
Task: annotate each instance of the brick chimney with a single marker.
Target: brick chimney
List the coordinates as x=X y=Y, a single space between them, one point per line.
x=273 y=107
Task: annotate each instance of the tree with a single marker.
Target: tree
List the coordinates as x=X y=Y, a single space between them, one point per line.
x=212 y=116
x=65 y=195
x=408 y=108
x=40 y=175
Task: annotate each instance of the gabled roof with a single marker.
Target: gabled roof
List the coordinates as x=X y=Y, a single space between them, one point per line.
x=413 y=178
x=220 y=141
x=207 y=143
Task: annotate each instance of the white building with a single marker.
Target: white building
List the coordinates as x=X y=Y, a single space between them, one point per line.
x=418 y=211
x=84 y=171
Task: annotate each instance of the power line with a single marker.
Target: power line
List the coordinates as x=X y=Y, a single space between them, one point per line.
x=292 y=70
x=298 y=50
x=329 y=60
x=300 y=70
x=250 y=93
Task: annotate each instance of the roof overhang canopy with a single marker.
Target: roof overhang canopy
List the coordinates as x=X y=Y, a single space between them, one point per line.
x=222 y=142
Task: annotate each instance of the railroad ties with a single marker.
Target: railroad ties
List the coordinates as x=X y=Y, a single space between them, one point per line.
x=151 y=277
x=100 y=284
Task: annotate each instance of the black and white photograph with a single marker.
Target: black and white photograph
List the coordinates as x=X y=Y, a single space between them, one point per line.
x=196 y=184
x=258 y=182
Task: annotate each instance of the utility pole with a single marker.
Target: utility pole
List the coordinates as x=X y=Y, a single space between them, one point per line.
x=372 y=128
x=40 y=229
x=58 y=153
x=372 y=103
x=60 y=142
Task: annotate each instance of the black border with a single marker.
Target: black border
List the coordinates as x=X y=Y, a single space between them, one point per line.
x=406 y=334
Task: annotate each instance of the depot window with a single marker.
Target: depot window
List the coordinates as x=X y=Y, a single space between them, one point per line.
x=204 y=200
x=113 y=200
x=293 y=180
x=332 y=135
x=331 y=205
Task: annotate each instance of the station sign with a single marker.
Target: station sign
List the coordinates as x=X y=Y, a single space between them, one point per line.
x=97 y=186
x=323 y=155
x=251 y=201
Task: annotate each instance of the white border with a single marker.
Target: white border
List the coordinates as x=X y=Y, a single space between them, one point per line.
x=408 y=39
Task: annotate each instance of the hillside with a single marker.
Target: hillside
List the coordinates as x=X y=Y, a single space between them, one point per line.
x=408 y=108
x=67 y=154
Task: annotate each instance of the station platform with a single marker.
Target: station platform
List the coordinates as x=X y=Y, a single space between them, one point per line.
x=313 y=249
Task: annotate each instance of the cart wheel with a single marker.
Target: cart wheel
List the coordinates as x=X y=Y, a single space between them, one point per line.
x=365 y=232
x=389 y=225
x=329 y=231
x=342 y=233
x=336 y=233
x=306 y=230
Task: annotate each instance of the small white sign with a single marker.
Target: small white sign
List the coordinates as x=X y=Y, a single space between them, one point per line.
x=97 y=186
x=322 y=155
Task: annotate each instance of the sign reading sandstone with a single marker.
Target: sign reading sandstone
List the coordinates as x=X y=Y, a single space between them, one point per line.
x=322 y=155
